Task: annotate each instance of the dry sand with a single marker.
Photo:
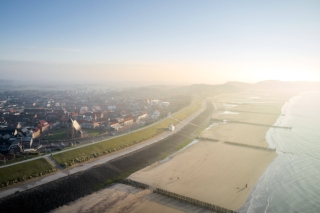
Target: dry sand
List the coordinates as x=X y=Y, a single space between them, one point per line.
x=212 y=172
x=123 y=198
x=239 y=133
x=216 y=172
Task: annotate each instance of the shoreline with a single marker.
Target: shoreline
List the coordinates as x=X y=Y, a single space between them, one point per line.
x=272 y=144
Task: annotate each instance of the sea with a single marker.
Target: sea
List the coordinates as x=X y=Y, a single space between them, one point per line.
x=291 y=183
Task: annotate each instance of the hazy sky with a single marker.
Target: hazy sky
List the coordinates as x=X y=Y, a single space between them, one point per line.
x=168 y=40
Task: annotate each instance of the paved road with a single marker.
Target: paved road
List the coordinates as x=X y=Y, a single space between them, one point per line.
x=86 y=165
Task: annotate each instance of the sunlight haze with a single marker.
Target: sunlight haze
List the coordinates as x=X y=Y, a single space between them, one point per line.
x=172 y=41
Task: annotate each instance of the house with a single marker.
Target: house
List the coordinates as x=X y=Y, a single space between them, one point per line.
x=52 y=116
x=88 y=118
x=2 y=120
x=165 y=104
x=43 y=125
x=64 y=120
x=114 y=126
x=112 y=107
x=36 y=132
x=154 y=102
x=78 y=117
x=128 y=119
x=141 y=116
x=88 y=124
x=155 y=114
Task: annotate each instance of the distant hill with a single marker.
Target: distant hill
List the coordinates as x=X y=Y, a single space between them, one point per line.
x=207 y=90
x=272 y=85
x=240 y=84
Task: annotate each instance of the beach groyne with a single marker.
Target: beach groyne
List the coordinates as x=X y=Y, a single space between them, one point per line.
x=249 y=146
x=208 y=139
x=176 y=196
x=255 y=124
x=192 y=201
x=266 y=113
x=238 y=144
x=134 y=184
x=250 y=104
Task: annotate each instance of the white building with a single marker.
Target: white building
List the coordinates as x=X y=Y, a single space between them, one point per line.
x=155 y=114
x=112 y=107
x=165 y=104
x=171 y=127
x=154 y=102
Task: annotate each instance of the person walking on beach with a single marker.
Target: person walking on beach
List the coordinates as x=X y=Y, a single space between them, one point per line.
x=246 y=185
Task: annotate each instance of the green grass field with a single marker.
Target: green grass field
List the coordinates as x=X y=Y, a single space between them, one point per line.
x=85 y=153
x=60 y=134
x=92 y=132
x=24 y=171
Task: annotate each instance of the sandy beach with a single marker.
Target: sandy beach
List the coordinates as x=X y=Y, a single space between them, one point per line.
x=217 y=172
x=123 y=198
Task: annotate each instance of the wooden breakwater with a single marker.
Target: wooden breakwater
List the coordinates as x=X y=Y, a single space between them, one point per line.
x=134 y=183
x=208 y=139
x=192 y=201
x=232 y=110
x=238 y=103
x=250 y=146
x=255 y=124
x=175 y=196
x=238 y=144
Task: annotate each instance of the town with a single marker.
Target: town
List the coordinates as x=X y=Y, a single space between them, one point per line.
x=46 y=121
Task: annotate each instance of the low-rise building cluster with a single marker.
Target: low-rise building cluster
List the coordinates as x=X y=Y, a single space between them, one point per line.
x=27 y=115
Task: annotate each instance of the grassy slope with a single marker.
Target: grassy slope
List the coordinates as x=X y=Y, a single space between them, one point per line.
x=18 y=173
x=83 y=154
